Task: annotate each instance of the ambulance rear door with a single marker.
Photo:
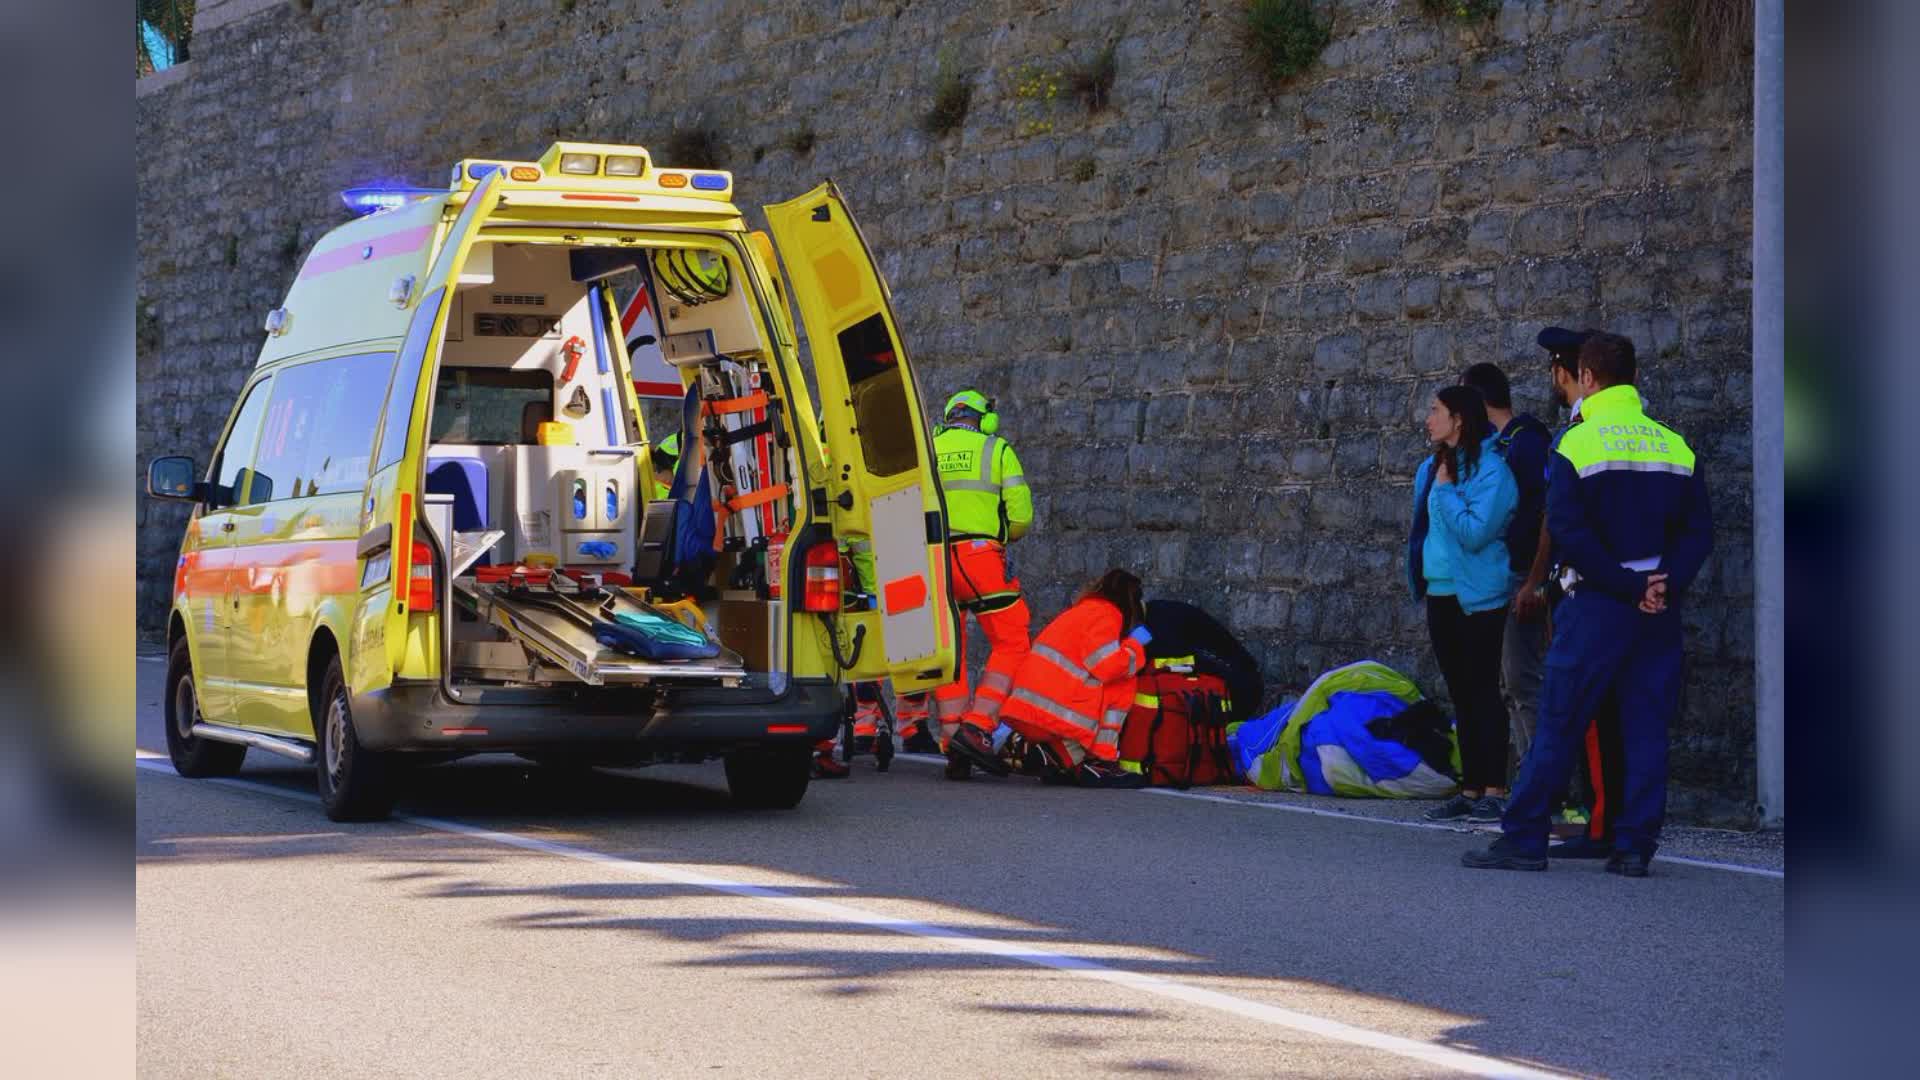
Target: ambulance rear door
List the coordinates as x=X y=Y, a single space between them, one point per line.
x=881 y=480
x=386 y=639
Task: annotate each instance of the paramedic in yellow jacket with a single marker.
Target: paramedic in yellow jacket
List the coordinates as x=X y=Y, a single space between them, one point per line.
x=988 y=506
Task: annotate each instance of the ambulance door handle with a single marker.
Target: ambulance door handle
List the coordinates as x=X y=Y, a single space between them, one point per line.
x=226 y=526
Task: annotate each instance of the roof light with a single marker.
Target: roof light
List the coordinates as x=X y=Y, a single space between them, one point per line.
x=580 y=164
x=672 y=179
x=622 y=165
x=366 y=200
x=709 y=182
x=524 y=173
x=480 y=169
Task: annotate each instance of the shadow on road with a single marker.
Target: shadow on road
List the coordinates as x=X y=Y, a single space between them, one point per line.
x=1534 y=968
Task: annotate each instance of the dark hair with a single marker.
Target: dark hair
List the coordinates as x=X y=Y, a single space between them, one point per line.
x=1122 y=590
x=1567 y=360
x=1492 y=384
x=1466 y=403
x=1610 y=358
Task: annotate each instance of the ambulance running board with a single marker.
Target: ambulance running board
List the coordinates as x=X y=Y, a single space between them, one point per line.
x=298 y=751
x=557 y=627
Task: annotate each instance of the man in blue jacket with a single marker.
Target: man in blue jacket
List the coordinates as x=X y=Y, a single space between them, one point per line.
x=1627 y=509
x=1524 y=442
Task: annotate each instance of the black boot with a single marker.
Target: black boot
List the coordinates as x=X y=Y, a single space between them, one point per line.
x=970 y=744
x=920 y=742
x=1628 y=864
x=1503 y=854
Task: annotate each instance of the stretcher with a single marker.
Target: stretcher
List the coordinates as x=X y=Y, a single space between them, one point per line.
x=555 y=614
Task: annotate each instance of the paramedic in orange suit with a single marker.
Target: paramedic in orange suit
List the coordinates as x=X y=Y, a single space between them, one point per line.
x=988 y=507
x=1072 y=693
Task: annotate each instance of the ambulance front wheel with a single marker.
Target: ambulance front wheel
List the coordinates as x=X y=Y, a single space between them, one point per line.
x=356 y=784
x=193 y=756
x=769 y=779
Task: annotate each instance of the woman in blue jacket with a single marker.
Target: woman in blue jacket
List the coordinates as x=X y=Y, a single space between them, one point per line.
x=1464 y=496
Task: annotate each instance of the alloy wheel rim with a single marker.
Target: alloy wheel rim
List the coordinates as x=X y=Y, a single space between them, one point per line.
x=186 y=707
x=336 y=737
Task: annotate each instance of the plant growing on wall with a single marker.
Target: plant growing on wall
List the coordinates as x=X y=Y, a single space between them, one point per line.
x=1033 y=91
x=1463 y=10
x=952 y=96
x=1286 y=36
x=1092 y=82
x=1708 y=40
x=695 y=147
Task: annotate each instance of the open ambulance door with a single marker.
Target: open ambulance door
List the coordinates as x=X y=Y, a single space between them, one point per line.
x=396 y=582
x=881 y=476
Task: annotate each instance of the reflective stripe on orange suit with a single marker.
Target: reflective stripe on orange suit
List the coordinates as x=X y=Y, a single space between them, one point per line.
x=1077 y=682
x=979 y=576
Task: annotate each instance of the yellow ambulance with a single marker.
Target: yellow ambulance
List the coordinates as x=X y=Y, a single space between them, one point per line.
x=430 y=527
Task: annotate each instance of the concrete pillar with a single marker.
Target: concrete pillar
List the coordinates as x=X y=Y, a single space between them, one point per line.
x=1769 y=410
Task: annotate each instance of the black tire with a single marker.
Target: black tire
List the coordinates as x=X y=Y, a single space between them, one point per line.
x=356 y=784
x=769 y=779
x=192 y=756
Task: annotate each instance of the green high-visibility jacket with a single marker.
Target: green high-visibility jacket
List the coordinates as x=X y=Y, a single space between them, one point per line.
x=987 y=493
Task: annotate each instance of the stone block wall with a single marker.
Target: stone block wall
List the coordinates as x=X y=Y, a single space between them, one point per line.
x=1213 y=312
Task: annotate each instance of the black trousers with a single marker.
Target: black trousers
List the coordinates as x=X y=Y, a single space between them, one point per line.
x=1468 y=648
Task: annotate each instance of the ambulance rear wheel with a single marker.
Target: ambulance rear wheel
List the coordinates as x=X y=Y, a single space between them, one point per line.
x=356 y=784
x=769 y=779
x=193 y=756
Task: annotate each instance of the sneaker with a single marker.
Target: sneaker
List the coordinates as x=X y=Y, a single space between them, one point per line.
x=970 y=745
x=1105 y=774
x=1573 y=815
x=1627 y=864
x=825 y=767
x=1580 y=847
x=1487 y=808
x=1502 y=854
x=1457 y=807
x=920 y=742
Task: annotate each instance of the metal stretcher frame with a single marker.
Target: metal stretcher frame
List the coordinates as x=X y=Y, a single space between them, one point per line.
x=559 y=627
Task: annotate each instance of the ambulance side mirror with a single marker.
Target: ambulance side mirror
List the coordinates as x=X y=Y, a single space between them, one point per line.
x=173 y=478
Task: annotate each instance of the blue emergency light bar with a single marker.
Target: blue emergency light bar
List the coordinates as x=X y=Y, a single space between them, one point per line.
x=709 y=182
x=367 y=200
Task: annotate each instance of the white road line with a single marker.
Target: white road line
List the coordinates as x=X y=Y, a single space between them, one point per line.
x=1445 y=1057
x=1314 y=811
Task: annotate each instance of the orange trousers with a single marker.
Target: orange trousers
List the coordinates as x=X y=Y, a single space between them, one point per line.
x=909 y=711
x=981 y=586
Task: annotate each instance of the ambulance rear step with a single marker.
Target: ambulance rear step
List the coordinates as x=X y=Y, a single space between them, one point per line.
x=556 y=625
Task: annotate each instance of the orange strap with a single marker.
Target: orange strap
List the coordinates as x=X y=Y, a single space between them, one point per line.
x=757 y=498
x=723 y=406
x=726 y=508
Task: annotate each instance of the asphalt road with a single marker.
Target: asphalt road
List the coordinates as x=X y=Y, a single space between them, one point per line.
x=511 y=922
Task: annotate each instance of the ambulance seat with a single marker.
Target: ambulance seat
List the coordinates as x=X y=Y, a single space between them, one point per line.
x=465 y=479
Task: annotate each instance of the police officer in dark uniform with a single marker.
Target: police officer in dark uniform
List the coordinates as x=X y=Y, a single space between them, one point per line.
x=1599 y=796
x=1627 y=510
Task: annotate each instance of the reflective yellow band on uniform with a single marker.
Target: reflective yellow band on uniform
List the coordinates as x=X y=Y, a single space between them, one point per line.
x=1084 y=724
x=1637 y=465
x=1173 y=661
x=971 y=485
x=1133 y=767
x=1147 y=701
x=1058 y=659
